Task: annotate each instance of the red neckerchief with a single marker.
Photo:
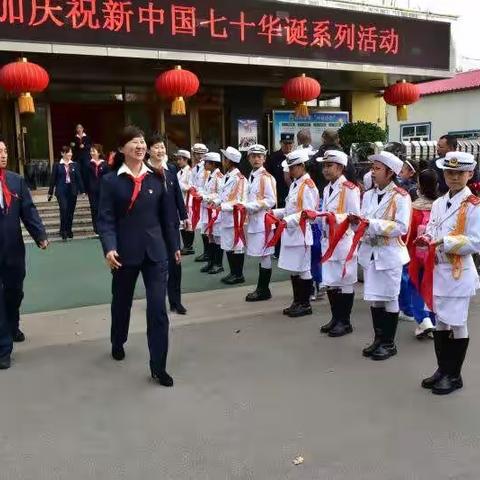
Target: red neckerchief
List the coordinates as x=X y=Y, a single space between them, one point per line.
x=239 y=217
x=7 y=194
x=137 y=186
x=97 y=166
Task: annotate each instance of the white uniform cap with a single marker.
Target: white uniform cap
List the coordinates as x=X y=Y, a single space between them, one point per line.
x=334 y=156
x=232 y=154
x=459 y=161
x=183 y=153
x=257 y=148
x=388 y=159
x=199 y=148
x=212 y=157
x=296 y=157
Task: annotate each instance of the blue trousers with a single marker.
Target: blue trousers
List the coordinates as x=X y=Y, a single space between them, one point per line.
x=123 y=287
x=316 y=254
x=410 y=301
x=6 y=342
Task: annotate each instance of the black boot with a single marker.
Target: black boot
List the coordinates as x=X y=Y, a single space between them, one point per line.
x=304 y=291
x=440 y=338
x=204 y=256
x=343 y=326
x=187 y=238
x=377 y=315
x=237 y=270
x=454 y=357
x=217 y=260
x=230 y=266
x=332 y=294
x=5 y=362
x=211 y=259
x=296 y=297
x=387 y=347
x=263 y=291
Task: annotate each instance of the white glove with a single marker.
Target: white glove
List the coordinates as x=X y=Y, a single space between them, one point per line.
x=292 y=220
x=227 y=207
x=252 y=207
x=279 y=212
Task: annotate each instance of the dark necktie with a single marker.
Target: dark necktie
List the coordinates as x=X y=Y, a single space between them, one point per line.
x=330 y=191
x=449 y=204
x=251 y=179
x=379 y=198
x=294 y=185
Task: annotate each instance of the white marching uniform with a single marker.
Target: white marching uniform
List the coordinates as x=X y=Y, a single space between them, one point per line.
x=382 y=252
x=262 y=196
x=233 y=190
x=342 y=197
x=199 y=177
x=184 y=176
x=455 y=277
x=295 y=250
x=209 y=194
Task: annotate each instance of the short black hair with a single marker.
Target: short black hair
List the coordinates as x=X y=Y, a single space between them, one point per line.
x=428 y=183
x=452 y=141
x=65 y=149
x=156 y=138
x=129 y=133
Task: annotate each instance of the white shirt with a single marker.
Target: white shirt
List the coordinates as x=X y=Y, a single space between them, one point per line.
x=125 y=169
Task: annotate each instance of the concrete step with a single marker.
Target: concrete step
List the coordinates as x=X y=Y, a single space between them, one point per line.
x=78 y=220
x=56 y=238
x=79 y=213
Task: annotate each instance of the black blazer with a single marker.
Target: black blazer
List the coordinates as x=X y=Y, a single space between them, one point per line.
x=93 y=181
x=81 y=155
x=145 y=230
x=58 y=180
x=22 y=209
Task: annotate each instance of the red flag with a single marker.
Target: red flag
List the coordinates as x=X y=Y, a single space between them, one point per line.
x=196 y=205
x=362 y=228
x=213 y=213
x=270 y=221
x=338 y=233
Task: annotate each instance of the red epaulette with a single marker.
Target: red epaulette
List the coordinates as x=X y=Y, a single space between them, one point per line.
x=310 y=183
x=350 y=185
x=473 y=199
x=401 y=191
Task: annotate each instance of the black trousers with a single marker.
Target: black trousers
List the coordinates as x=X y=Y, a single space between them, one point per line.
x=6 y=342
x=13 y=277
x=174 y=282
x=93 y=198
x=67 y=203
x=123 y=286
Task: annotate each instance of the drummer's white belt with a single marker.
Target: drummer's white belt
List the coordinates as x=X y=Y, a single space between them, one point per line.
x=379 y=241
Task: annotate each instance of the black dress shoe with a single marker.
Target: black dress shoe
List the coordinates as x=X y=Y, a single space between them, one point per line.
x=293 y=306
x=5 y=362
x=258 y=296
x=18 y=336
x=367 y=351
x=234 y=280
x=340 y=329
x=179 y=308
x=447 y=384
x=227 y=278
x=163 y=378
x=206 y=268
x=187 y=251
x=118 y=353
x=429 y=382
x=216 y=269
x=70 y=234
x=384 y=351
x=328 y=326
x=202 y=258
x=300 y=310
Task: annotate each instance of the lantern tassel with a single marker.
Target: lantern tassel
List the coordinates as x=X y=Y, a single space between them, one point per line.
x=301 y=110
x=402 y=113
x=178 y=106
x=25 y=103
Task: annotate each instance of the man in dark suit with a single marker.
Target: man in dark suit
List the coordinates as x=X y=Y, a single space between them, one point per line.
x=6 y=343
x=137 y=236
x=158 y=161
x=17 y=205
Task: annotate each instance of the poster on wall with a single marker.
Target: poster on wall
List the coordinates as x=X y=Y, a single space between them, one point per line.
x=286 y=122
x=247 y=134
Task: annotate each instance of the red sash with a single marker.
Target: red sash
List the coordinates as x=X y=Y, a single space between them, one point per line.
x=196 y=206
x=270 y=221
x=362 y=228
x=137 y=186
x=213 y=213
x=239 y=218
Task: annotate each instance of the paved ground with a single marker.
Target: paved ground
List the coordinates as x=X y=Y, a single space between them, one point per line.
x=253 y=390
x=74 y=274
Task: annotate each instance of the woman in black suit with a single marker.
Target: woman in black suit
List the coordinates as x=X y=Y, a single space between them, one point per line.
x=66 y=182
x=96 y=170
x=138 y=235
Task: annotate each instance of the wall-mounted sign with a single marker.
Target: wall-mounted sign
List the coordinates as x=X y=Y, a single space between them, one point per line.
x=286 y=122
x=247 y=134
x=250 y=27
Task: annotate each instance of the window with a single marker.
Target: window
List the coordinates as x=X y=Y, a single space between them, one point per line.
x=415 y=132
x=466 y=134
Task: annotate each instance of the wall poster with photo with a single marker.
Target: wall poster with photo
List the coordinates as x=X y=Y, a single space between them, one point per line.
x=247 y=134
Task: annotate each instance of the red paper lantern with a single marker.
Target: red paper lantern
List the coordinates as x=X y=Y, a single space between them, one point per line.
x=400 y=95
x=301 y=90
x=177 y=84
x=21 y=78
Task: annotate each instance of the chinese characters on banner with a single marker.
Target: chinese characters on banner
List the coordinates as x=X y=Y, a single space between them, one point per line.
x=159 y=17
